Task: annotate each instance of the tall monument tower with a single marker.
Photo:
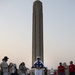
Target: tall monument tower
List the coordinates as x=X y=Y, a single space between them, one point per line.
x=37 y=31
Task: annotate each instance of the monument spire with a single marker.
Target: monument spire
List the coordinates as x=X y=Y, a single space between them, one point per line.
x=37 y=31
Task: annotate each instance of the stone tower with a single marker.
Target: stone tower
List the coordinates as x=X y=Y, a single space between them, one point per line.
x=37 y=31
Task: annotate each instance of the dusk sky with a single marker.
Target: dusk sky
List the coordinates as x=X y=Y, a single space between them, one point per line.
x=58 y=26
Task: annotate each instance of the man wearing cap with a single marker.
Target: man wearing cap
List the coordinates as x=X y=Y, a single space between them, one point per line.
x=4 y=65
x=38 y=65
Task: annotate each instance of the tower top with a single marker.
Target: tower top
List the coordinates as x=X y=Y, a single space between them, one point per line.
x=37 y=0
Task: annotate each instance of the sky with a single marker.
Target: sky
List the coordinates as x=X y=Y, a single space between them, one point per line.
x=58 y=29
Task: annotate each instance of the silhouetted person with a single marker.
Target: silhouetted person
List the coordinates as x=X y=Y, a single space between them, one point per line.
x=10 y=68
x=52 y=71
x=16 y=71
x=38 y=65
x=4 y=66
x=45 y=71
x=55 y=73
x=66 y=68
x=71 y=68
x=22 y=68
x=61 y=69
x=28 y=71
x=13 y=69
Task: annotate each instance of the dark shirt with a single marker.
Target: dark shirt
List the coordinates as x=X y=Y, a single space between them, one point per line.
x=71 y=68
x=61 y=69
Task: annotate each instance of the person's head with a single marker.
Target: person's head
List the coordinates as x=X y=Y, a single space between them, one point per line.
x=51 y=68
x=71 y=62
x=60 y=63
x=64 y=64
x=5 y=59
x=10 y=64
x=14 y=65
x=38 y=57
x=23 y=63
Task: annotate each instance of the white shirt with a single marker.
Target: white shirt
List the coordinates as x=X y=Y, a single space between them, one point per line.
x=51 y=71
x=4 y=67
x=13 y=69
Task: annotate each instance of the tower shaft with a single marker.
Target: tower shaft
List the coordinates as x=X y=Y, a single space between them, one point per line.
x=37 y=33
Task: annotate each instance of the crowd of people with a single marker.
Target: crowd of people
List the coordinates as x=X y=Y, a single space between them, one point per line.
x=11 y=68
x=64 y=69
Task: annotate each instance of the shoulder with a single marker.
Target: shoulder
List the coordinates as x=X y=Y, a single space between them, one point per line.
x=35 y=62
x=4 y=63
x=41 y=61
x=58 y=66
